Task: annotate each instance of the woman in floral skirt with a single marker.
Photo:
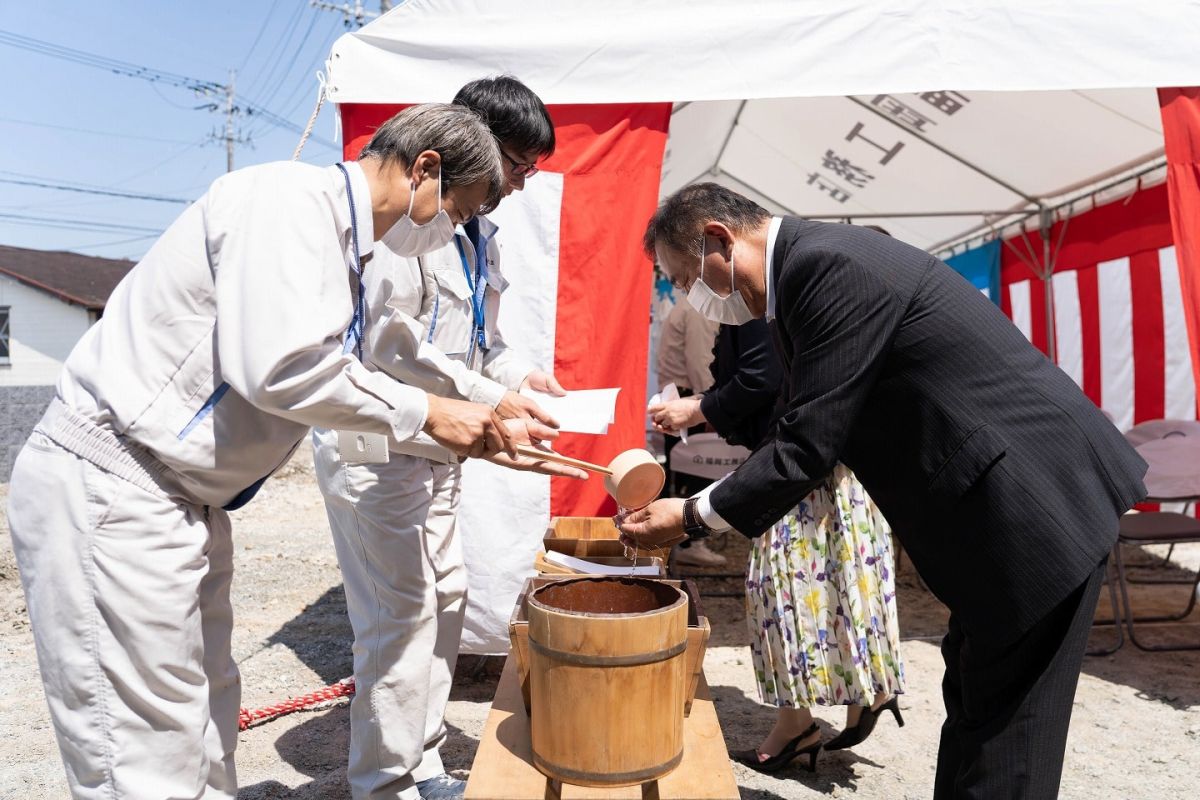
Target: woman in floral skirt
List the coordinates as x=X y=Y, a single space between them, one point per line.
x=821 y=605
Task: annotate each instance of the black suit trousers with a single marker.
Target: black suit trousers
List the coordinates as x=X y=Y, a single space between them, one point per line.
x=1008 y=703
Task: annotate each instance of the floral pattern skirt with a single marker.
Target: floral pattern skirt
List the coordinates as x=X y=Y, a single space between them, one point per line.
x=821 y=601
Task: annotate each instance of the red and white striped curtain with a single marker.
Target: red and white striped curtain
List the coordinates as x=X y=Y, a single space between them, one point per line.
x=1119 y=323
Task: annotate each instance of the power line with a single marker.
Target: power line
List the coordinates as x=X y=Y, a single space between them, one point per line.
x=60 y=181
x=355 y=14
x=302 y=87
x=95 y=245
x=108 y=193
x=276 y=52
x=261 y=30
x=129 y=69
x=114 y=134
x=155 y=166
x=295 y=54
x=126 y=68
x=66 y=223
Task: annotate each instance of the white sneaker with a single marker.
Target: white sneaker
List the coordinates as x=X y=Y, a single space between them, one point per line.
x=698 y=555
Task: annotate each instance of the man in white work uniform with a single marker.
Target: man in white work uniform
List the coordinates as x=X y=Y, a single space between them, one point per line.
x=434 y=326
x=215 y=355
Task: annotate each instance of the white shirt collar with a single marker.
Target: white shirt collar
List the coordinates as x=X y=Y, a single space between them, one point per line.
x=769 y=265
x=363 y=215
x=487 y=228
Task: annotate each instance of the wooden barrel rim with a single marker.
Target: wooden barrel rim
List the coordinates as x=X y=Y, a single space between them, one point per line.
x=532 y=600
x=608 y=778
x=588 y=660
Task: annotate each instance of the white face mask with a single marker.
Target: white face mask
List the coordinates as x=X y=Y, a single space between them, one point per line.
x=407 y=238
x=731 y=310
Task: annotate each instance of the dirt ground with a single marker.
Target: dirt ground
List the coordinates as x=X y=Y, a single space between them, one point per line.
x=1135 y=731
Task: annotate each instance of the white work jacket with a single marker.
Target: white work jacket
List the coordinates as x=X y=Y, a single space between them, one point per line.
x=220 y=349
x=420 y=323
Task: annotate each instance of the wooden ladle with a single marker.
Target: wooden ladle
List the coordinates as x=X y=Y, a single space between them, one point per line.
x=633 y=478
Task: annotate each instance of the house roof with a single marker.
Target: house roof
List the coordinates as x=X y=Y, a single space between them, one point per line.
x=75 y=278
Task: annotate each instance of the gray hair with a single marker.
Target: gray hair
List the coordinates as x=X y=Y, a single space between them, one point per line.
x=460 y=136
x=680 y=219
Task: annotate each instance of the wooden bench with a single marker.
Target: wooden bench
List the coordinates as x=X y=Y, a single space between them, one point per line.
x=503 y=767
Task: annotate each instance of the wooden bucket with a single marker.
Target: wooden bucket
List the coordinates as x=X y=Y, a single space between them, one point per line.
x=697 y=632
x=607 y=679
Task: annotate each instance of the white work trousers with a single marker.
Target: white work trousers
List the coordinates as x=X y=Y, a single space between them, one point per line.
x=394 y=531
x=128 y=593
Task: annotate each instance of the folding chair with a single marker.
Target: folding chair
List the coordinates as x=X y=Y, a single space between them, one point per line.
x=1156 y=527
x=1173 y=476
x=1149 y=431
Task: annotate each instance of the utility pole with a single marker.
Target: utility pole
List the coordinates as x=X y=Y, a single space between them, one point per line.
x=230 y=109
x=353 y=13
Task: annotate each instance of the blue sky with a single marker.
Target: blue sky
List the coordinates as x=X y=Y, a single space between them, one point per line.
x=138 y=137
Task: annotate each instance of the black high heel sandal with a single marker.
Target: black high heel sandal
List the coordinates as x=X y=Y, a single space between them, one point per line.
x=866 y=723
x=790 y=752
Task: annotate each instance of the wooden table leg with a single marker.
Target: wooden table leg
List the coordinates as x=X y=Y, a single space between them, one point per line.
x=650 y=790
x=553 y=789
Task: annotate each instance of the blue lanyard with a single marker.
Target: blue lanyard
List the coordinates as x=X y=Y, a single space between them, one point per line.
x=478 y=287
x=358 y=323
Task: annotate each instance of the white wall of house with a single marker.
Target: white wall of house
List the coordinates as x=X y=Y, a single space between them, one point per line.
x=42 y=331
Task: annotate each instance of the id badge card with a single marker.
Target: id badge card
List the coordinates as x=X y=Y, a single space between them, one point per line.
x=355 y=447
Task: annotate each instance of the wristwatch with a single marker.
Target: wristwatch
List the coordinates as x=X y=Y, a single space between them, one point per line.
x=693 y=525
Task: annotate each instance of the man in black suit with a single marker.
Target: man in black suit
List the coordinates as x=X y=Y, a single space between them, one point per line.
x=1002 y=480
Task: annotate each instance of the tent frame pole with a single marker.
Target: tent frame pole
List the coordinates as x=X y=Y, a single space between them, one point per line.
x=1046 y=222
x=1092 y=194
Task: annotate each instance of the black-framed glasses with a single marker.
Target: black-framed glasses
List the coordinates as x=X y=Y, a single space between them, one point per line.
x=519 y=170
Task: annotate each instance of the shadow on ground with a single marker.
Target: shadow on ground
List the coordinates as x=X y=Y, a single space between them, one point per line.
x=746 y=722
x=320 y=636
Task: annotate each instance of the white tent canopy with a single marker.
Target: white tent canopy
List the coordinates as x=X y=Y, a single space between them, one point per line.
x=819 y=108
x=830 y=108
x=639 y=51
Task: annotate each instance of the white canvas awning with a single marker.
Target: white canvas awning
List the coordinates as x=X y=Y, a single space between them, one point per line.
x=830 y=108
x=640 y=51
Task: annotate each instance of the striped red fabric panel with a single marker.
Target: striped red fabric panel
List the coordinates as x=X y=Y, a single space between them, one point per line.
x=610 y=157
x=1149 y=367
x=1089 y=318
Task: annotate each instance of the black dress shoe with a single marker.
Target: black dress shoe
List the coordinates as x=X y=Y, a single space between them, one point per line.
x=866 y=723
x=790 y=752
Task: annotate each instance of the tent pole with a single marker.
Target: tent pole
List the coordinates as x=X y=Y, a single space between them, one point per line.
x=1046 y=218
x=716 y=167
x=974 y=233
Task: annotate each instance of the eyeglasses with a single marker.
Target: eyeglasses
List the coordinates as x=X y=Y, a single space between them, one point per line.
x=519 y=170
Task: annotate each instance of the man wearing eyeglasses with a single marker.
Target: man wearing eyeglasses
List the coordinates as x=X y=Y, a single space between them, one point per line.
x=434 y=327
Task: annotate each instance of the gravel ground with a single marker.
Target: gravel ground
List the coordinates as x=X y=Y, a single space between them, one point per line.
x=1135 y=731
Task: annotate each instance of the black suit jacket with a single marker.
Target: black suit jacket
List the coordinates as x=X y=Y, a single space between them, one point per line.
x=747 y=377
x=1002 y=480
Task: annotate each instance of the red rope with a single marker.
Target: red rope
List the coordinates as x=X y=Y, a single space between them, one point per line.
x=321 y=697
